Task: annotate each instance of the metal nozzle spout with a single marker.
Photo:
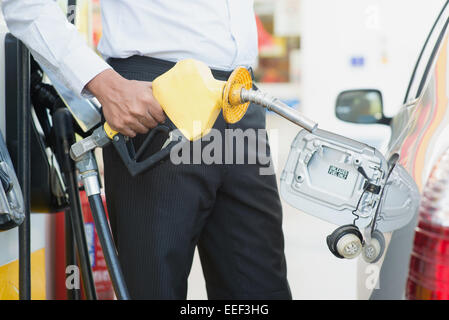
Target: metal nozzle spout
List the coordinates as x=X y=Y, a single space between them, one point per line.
x=279 y=107
x=99 y=138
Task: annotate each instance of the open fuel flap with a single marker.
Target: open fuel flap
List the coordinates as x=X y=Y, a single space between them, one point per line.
x=348 y=183
x=333 y=178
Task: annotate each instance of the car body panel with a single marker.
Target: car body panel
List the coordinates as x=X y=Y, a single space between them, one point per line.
x=420 y=134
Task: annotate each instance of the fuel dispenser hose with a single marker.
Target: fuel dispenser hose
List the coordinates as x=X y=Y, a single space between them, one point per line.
x=107 y=244
x=88 y=169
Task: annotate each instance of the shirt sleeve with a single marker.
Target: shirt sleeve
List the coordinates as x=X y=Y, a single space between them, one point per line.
x=53 y=41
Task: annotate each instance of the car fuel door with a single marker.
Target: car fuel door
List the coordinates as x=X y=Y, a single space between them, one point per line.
x=343 y=181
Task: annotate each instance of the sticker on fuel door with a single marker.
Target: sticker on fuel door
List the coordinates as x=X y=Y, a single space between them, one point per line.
x=338 y=172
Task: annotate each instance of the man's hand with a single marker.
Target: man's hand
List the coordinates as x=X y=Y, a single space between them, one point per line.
x=129 y=106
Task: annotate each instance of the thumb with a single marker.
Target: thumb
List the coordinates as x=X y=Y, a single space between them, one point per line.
x=148 y=84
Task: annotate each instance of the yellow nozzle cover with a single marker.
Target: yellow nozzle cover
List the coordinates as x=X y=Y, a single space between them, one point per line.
x=109 y=132
x=233 y=108
x=190 y=97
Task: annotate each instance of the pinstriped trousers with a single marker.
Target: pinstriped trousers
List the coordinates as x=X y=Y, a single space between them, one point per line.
x=229 y=211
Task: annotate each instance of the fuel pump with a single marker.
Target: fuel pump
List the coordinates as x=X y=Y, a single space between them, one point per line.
x=11 y=200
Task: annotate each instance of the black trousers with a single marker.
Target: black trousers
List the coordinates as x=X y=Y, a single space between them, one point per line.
x=230 y=212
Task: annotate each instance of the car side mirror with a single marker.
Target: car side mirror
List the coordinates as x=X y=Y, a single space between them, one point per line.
x=363 y=106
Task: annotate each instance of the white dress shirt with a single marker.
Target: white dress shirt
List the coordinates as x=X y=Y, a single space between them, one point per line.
x=220 y=33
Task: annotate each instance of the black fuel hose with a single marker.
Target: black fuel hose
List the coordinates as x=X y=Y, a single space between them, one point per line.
x=77 y=222
x=63 y=137
x=107 y=244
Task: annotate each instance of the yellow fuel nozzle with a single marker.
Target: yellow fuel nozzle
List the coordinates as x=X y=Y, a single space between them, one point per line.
x=193 y=99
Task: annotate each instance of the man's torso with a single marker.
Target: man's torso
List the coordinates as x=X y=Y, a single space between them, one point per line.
x=221 y=33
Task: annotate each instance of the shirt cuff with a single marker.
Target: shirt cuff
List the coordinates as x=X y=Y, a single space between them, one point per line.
x=80 y=66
